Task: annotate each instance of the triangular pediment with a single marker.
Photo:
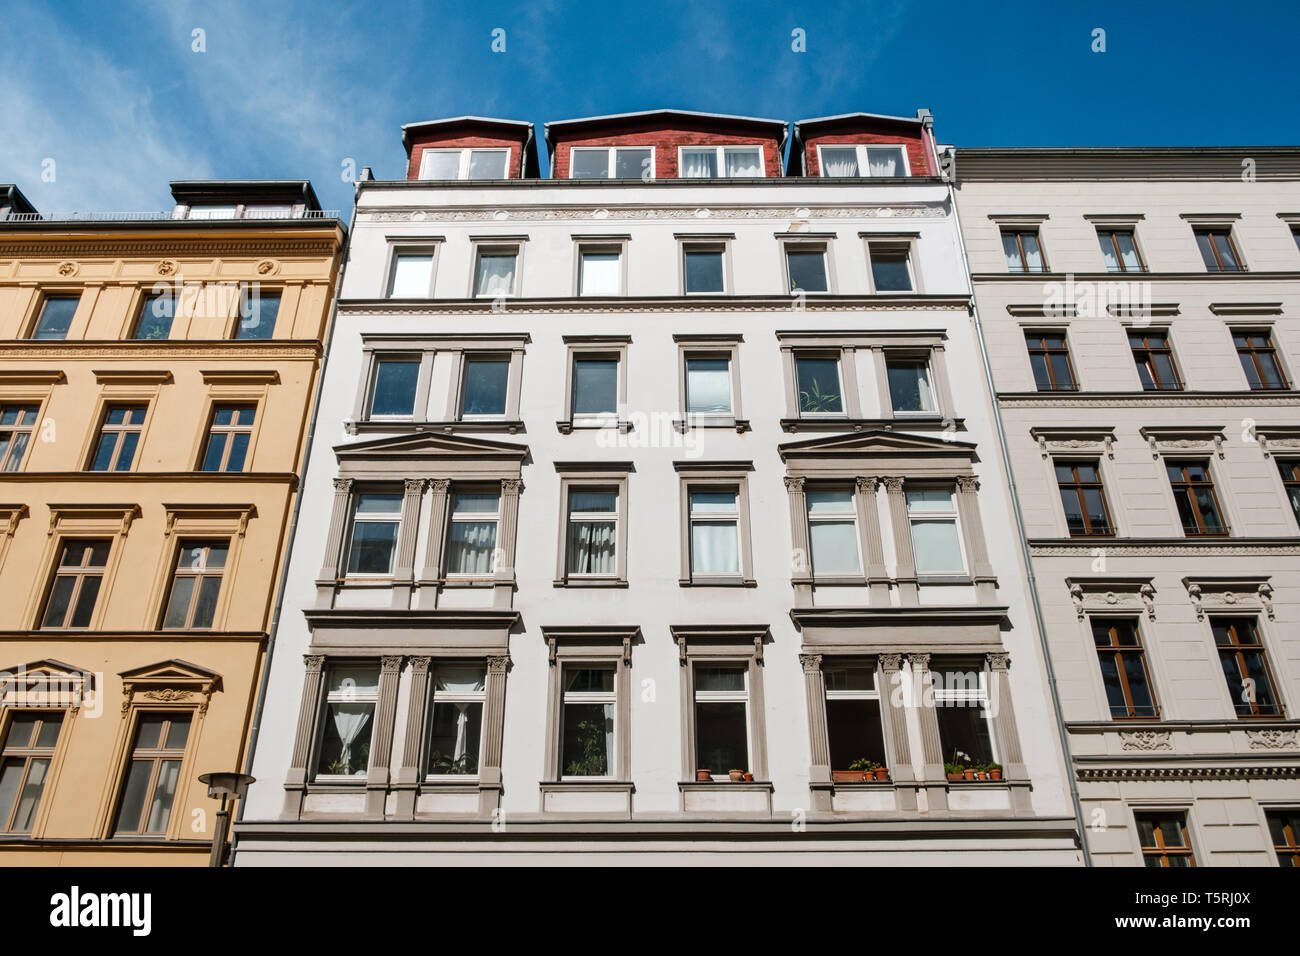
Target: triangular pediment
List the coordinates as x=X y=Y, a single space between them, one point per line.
x=431 y=446
x=46 y=671
x=172 y=670
x=877 y=442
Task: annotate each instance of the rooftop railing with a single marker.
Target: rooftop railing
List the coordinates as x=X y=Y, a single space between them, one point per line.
x=137 y=216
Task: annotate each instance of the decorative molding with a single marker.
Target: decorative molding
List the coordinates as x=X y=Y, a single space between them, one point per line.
x=1282 y=772
x=1068 y=439
x=99 y=247
x=1276 y=437
x=1153 y=399
x=1248 y=594
x=674 y=304
x=1147 y=740
x=1246 y=308
x=18 y=376
x=1109 y=594
x=127 y=376
x=1158 y=547
x=576 y=213
x=238 y=376
x=191 y=348
x=1172 y=439
x=1272 y=738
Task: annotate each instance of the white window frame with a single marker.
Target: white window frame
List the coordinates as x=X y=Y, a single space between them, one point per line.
x=838 y=518
x=473 y=517
x=398 y=249
x=465 y=360
x=496 y=249
x=465 y=151
x=589 y=697
x=724 y=697
x=721 y=159
x=873 y=247
x=373 y=516
x=952 y=514
x=980 y=695
x=571 y=516
x=411 y=358
x=611 y=154
x=348 y=696
x=455 y=697
x=863 y=157
x=601 y=248
x=734 y=516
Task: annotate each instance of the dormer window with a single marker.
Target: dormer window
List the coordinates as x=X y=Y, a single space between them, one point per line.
x=464 y=163
x=613 y=162
x=854 y=161
x=268 y=211
x=726 y=162
x=212 y=212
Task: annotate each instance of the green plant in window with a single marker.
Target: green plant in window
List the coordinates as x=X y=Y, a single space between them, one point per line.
x=591 y=747
x=441 y=763
x=862 y=763
x=816 y=400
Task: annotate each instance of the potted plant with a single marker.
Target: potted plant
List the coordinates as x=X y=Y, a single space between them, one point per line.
x=749 y=777
x=953 y=770
x=995 y=771
x=703 y=776
x=737 y=776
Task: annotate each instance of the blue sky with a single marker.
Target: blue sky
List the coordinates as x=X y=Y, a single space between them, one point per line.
x=116 y=96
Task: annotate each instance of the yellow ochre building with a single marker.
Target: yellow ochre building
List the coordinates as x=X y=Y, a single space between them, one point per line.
x=157 y=375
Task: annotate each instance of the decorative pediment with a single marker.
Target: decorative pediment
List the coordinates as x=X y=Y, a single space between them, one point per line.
x=169 y=682
x=1273 y=438
x=45 y=683
x=1249 y=594
x=429 y=455
x=1070 y=440
x=878 y=452
x=378 y=631
x=1111 y=594
x=1176 y=439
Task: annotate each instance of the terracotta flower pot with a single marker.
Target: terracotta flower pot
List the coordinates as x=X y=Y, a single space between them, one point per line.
x=968 y=774
x=850 y=776
x=882 y=774
x=749 y=778
x=737 y=776
x=995 y=774
x=703 y=776
x=954 y=776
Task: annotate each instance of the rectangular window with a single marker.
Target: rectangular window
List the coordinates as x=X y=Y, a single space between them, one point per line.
x=257 y=314
x=392 y=392
x=1245 y=668
x=1123 y=668
x=617 y=162
x=1023 y=251
x=1155 y=361
x=347 y=720
x=1259 y=359
x=1084 y=499
x=600 y=270
x=376 y=516
x=155 y=319
x=961 y=704
x=891 y=268
x=936 y=542
x=268 y=211
x=910 y=390
x=472 y=534
x=708 y=385
x=495 y=270
x=818 y=380
x=703 y=269
x=71 y=601
x=1290 y=471
x=456 y=720
x=1163 y=836
x=721 y=718
x=24 y=765
x=212 y=212
x=118 y=437
x=56 y=317
x=1217 y=250
x=1198 y=505
x=833 y=531
x=1120 y=251
x=592 y=540
x=805 y=268
x=412 y=275
x=1284 y=829
x=196 y=585
x=852 y=161
x=853 y=722
x=17 y=422
x=595 y=385
x=483 y=392
x=730 y=162
x=228 y=438
x=153 y=774
x=1049 y=357
x=715 y=530
x=587 y=721
x=464 y=163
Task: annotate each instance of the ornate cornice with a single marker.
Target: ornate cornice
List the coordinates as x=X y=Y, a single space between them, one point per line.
x=1232 y=399
x=101 y=248
x=1276 y=772
x=622 y=212
x=569 y=305
x=1151 y=547
x=209 y=349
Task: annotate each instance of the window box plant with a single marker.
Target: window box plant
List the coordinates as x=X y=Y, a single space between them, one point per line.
x=861 y=770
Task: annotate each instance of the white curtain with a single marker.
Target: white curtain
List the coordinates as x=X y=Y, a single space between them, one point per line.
x=592 y=546
x=349 y=719
x=708 y=385
x=1108 y=254
x=839 y=162
x=600 y=273
x=744 y=162
x=608 y=710
x=411 y=277
x=440 y=164
x=699 y=163
x=883 y=162
x=163 y=794
x=935 y=545
x=714 y=547
x=1033 y=255
x=496 y=275
x=834 y=547
x=471 y=547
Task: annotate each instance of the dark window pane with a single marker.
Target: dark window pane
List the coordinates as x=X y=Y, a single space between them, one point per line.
x=595 y=386
x=257 y=314
x=807 y=270
x=178 y=606
x=56 y=317
x=216 y=448
x=345 y=749
x=394 y=388
x=133 y=796
x=819 y=385
x=631 y=163
x=372 y=547
x=86 y=601
x=855 y=732
x=60 y=596
x=704 y=271
x=156 y=316
x=964 y=732
x=889 y=272
x=485 y=386
x=721 y=736
x=207 y=603
x=104 y=452
x=238 y=451
x=457 y=728
x=588 y=740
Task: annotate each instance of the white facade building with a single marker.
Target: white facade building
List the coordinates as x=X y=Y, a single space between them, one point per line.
x=599 y=510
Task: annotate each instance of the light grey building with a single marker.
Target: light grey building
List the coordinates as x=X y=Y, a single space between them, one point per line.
x=1140 y=311
x=656 y=513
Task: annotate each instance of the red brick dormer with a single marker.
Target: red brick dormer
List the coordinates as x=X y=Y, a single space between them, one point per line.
x=474 y=145
x=876 y=139
x=665 y=133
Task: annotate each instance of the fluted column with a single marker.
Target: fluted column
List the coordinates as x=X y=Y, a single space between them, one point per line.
x=507 y=532
x=800 y=550
x=489 y=777
x=819 y=770
x=329 y=571
x=905 y=559
x=431 y=572
x=1004 y=728
x=933 y=778
x=411 y=769
x=404 y=569
x=295 y=783
x=381 y=742
x=873 y=544
x=968 y=508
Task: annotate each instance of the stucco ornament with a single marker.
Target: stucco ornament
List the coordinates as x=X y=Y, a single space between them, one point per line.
x=268 y=267
x=68 y=268
x=166 y=268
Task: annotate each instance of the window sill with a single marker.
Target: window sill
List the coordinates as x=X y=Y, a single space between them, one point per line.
x=375 y=582
x=590 y=582
x=327 y=784
x=568 y=426
x=827 y=580
x=760 y=786
x=508 y=425
x=683 y=425
x=936 y=579
x=717 y=581
x=927 y=422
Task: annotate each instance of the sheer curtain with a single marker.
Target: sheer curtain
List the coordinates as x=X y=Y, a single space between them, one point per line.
x=496 y=275
x=714 y=548
x=349 y=721
x=743 y=162
x=591 y=547
x=883 y=162
x=840 y=162
x=471 y=547
x=708 y=385
x=699 y=163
